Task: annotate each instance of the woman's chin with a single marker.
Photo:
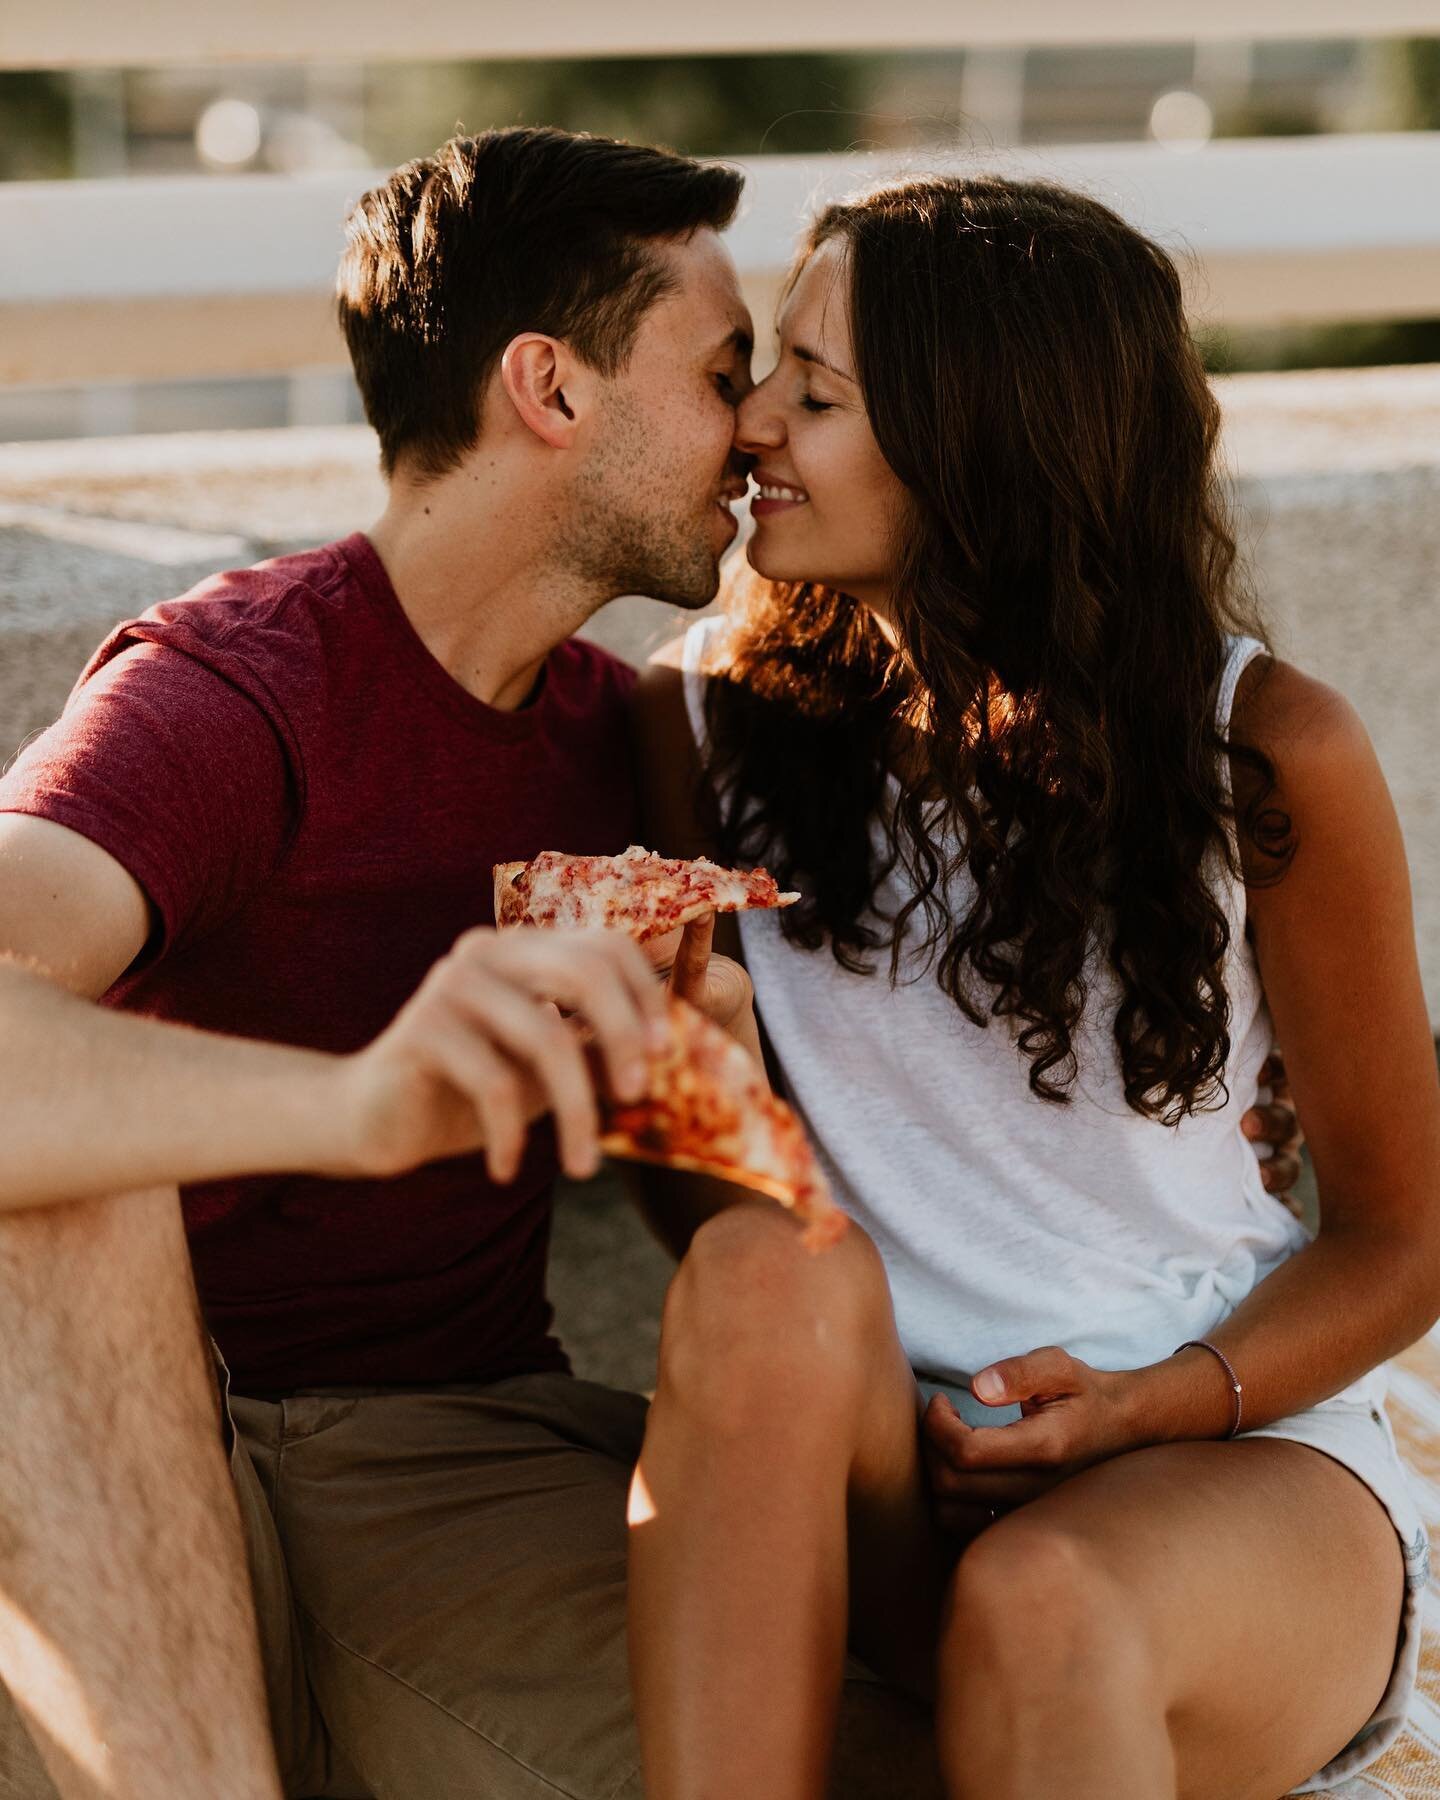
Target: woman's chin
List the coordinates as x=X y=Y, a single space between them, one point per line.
x=772 y=567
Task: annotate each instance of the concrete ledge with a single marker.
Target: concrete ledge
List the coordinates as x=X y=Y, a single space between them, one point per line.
x=1338 y=473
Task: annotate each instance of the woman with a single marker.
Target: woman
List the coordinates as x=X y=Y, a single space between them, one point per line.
x=985 y=708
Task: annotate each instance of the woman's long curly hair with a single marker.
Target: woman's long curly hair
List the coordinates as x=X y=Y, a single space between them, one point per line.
x=1065 y=577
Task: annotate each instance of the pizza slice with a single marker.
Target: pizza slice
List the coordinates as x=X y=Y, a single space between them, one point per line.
x=637 y=891
x=708 y=1108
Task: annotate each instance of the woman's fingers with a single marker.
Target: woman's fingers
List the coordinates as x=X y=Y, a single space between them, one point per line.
x=692 y=959
x=1029 y=1444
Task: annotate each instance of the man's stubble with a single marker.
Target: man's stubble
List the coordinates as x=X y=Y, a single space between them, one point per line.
x=630 y=528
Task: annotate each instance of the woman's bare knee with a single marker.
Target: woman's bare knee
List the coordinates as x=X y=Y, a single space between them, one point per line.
x=1032 y=1605
x=751 y=1314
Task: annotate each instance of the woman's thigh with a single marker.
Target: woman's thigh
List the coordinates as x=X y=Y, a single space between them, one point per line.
x=1261 y=1582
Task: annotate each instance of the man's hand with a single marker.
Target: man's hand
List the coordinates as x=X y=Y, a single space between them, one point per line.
x=482 y=1049
x=1276 y=1124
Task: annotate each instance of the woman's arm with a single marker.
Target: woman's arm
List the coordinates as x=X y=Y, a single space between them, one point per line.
x=1335 y=939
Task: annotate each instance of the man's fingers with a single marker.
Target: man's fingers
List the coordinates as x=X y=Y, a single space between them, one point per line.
x=1272 y=1075
x=1279 y=1173
x=605 y=978
x=1270 y=1124
x=532 y=1036
x=476 y=1070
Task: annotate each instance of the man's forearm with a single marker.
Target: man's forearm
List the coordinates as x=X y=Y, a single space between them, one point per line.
x=95 y=1101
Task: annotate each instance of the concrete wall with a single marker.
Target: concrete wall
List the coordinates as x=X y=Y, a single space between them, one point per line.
x=1339 y=474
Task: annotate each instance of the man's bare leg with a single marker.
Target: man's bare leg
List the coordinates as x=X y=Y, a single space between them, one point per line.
x=127 y=1632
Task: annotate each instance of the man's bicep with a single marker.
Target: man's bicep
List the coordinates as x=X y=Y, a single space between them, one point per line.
x=67 y=907
x=169 y=771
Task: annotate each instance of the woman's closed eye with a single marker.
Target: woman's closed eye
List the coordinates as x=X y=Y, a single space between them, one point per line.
x=811 y=404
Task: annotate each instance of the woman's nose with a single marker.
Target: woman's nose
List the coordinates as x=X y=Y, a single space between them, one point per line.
x=758 y=425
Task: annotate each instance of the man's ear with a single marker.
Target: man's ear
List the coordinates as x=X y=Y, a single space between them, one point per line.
x=541 y=377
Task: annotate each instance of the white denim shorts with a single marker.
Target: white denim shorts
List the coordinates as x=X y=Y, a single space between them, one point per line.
x=1361 y=1438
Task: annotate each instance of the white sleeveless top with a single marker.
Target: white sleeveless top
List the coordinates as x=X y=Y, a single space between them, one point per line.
x=1007 y=1222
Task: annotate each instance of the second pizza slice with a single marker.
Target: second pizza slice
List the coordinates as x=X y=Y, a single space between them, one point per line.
x=637 y=891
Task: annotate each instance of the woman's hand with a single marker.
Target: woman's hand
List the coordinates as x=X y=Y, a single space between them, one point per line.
x=1072 y=1416
x=717 y=986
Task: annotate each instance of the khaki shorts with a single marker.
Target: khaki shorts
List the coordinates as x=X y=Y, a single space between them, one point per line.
x=439 y=1578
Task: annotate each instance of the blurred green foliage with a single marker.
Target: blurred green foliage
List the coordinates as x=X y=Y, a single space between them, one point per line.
x=1415 y=63
x=1361 y=345
x=35 y=130
x=756 y=105
x=704 y=106
x=1408 y=84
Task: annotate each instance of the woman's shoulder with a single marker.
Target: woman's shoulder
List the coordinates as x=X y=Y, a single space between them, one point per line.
x=1327 y=785
x=1303 y=725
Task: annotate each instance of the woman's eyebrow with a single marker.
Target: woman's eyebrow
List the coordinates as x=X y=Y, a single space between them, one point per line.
x=810 y=356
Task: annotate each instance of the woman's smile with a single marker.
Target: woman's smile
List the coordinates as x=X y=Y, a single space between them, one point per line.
x=775 y=496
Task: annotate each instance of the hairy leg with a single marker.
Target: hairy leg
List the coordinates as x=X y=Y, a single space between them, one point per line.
x=127 y=1631
x=779 y=1495
x=1187 y=1620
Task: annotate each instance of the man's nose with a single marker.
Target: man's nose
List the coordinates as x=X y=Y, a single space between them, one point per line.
x=757 y=423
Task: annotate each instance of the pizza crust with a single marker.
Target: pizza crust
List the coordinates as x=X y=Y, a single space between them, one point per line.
x=509 y=905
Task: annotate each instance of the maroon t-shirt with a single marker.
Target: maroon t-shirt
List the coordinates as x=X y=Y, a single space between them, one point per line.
x=313 y=806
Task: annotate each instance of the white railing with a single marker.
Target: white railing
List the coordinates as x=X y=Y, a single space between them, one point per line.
x=200 y=275
x=141 y=279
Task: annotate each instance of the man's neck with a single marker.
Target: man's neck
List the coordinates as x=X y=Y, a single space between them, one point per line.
x=473 y=577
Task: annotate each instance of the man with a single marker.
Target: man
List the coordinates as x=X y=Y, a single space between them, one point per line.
x=269 y=809
x=270 y=812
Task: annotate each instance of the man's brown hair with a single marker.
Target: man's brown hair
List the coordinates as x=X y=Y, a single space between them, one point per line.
x=530 y=229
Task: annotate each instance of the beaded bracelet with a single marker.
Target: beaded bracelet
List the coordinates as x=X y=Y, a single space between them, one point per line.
x=1235 y=1388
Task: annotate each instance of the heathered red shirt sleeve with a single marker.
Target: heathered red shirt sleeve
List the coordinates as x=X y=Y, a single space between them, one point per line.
x=314 y=807
x=176 y=774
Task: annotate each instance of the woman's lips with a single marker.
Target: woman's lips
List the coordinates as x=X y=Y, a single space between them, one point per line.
x=776 y=497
